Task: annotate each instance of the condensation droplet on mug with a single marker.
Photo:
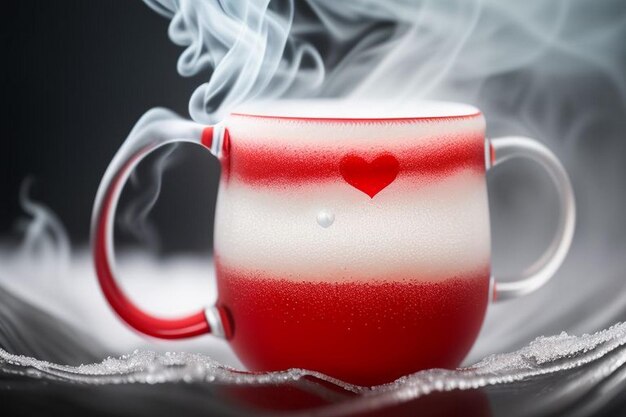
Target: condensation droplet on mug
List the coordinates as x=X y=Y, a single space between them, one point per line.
x=325 y=218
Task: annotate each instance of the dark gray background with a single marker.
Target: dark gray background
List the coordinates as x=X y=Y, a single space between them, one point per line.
x=76 y=77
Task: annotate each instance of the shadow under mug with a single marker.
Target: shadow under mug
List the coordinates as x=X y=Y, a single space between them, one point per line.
x=349 y=239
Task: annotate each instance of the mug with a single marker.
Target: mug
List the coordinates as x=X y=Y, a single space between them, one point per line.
x=350 y=238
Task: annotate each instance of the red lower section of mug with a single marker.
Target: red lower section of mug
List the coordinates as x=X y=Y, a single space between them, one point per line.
x=366 y=333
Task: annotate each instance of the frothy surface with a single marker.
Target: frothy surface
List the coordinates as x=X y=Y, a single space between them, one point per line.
x=350 y=109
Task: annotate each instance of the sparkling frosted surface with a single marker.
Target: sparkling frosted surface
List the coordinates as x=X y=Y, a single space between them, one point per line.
x=553 y=356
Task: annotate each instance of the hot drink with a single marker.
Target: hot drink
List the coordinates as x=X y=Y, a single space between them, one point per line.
x=390 y=280
x=351 y=240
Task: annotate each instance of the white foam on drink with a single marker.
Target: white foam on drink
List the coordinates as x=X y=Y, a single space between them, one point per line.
x=378 y=131
x=429 y=231
x=355 y=109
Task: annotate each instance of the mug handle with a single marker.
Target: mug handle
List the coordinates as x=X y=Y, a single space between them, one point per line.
x=148 y=137
x=535 y=276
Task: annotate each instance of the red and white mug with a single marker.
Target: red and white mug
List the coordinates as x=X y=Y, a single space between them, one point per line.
x=349 y=239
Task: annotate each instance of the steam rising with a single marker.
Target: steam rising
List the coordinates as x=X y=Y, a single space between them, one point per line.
x=134 y=217
x=402 y=49
x=247 y=48
x=45 y=238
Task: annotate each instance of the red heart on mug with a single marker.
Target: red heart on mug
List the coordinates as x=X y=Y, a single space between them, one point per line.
x=369 y=177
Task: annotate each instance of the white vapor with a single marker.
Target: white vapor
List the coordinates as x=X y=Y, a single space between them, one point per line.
x=243 y=44
x=397 y=49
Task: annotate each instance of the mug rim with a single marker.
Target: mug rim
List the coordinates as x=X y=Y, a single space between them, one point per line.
x=291 y=109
